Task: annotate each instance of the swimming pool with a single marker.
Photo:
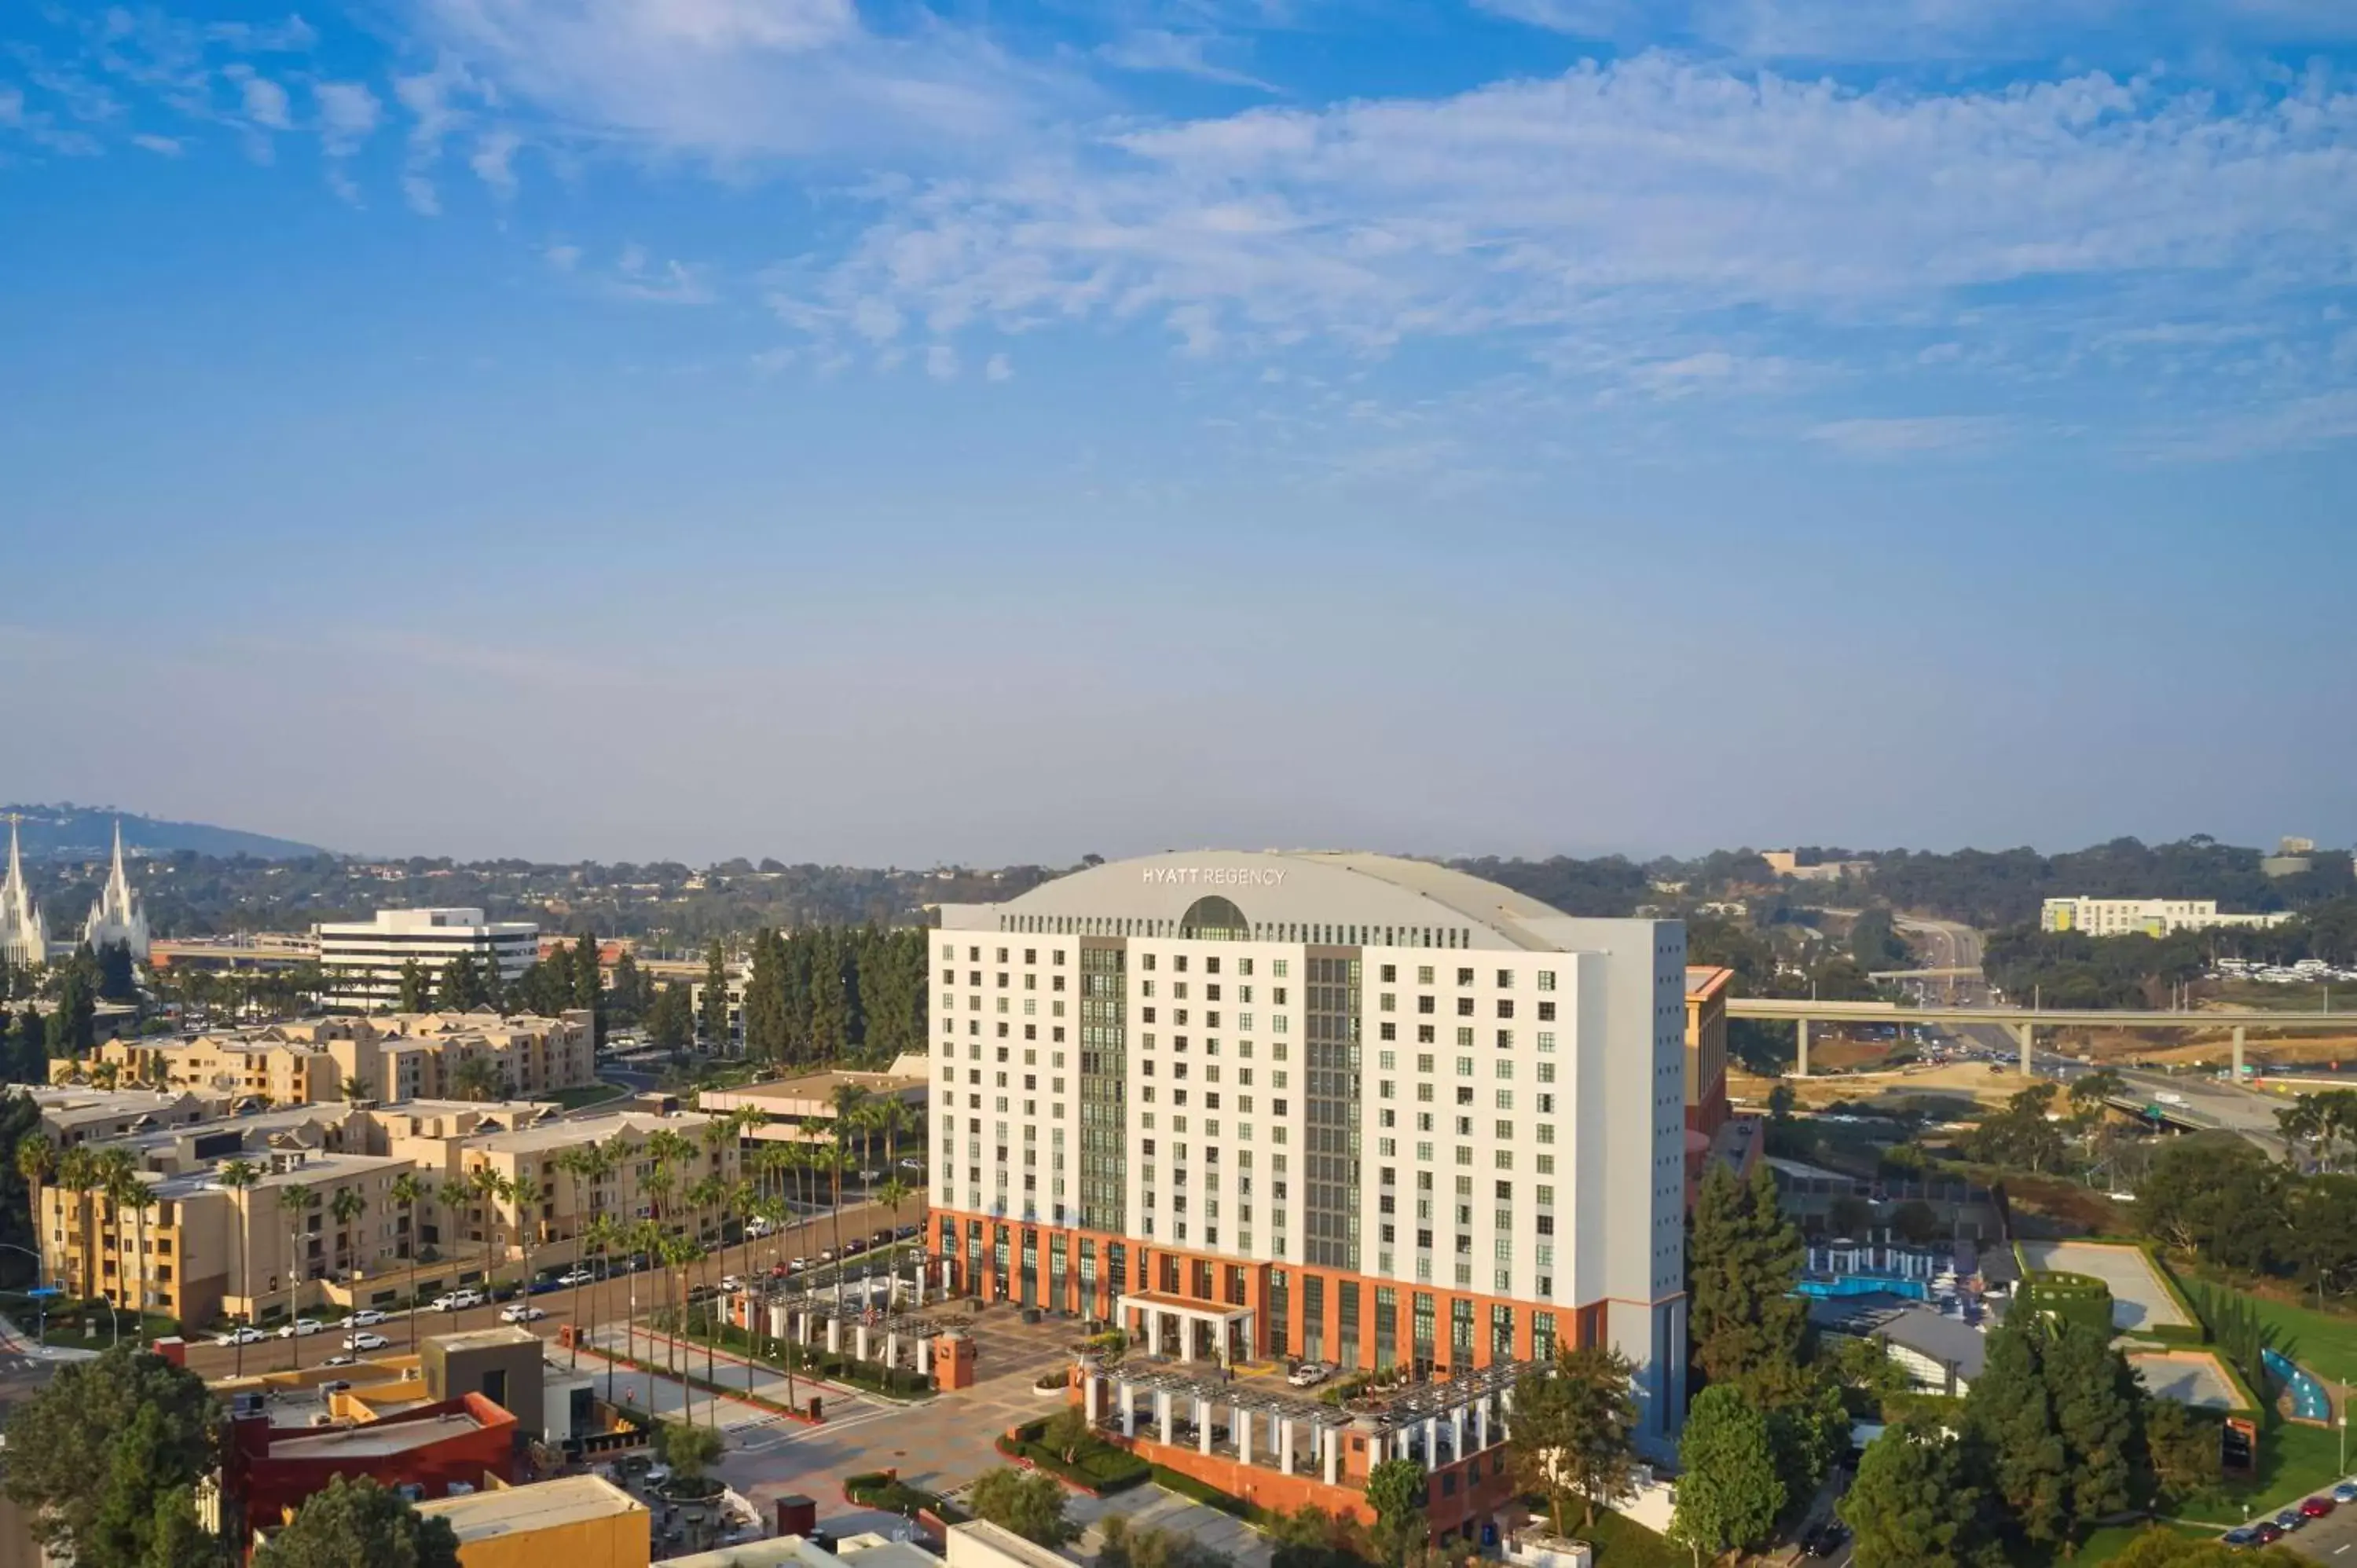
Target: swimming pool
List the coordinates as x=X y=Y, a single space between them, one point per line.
x=2308 y=1400
x=1863 y=1285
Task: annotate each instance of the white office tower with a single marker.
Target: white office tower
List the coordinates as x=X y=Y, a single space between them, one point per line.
x=363 y=961
x=1323 y=1106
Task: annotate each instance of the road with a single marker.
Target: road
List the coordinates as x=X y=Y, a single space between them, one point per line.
x=611 y=1301
x=2332 y=1539
x=1946 y=944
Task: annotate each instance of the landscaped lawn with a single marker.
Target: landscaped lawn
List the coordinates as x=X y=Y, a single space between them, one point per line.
x=1624 y=1544
x=2325 y=1343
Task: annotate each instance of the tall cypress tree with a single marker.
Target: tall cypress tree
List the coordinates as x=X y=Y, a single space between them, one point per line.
x=830 y=998
x=588 y=984
x=795 y=974
x=712 y=1010
x=1743 y=1258
x=2095 y=1393
x=2011 y=1416
x=765 y=999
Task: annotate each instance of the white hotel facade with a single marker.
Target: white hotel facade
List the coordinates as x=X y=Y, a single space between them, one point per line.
x=363 y=960
x=1317 y=1106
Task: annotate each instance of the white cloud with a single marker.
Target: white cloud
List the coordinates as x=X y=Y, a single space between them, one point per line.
x=493 y=162
x=1612 y=207
x=636 y=276
x=1902 y=437
x=564 y=258
x=264 y=101
x=997 y=369
x=419 y=192
x=737 y=79
x=349 y=115
x=437 y=103
x=1157 y=50
x=162 y=146
x=941 y=362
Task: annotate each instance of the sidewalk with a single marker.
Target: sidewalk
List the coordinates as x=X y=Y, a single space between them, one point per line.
x=15 y=1341
x=728 y=1370
x=731 y=1370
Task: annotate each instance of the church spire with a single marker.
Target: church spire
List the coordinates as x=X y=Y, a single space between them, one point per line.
x=118 y=886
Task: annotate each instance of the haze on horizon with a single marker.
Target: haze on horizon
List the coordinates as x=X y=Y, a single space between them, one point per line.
x=901 y=434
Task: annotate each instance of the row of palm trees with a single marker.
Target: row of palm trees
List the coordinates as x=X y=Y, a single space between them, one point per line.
x=787 y=1180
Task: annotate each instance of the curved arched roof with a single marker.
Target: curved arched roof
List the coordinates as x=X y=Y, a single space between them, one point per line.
x=1287 y=889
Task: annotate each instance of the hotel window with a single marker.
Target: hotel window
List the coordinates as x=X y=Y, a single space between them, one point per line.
x=1506 y=1039
x=1546 y=1072
x=1546 y=1040
x=1464 y=1037
x=1465 y=1066
x=1465 y=1006
x=1424 y=1004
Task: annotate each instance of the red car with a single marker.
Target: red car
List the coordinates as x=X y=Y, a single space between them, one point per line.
x=2267 y=1532
x=2316 y=1508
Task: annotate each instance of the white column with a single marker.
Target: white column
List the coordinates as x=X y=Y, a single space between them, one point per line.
x=1186 y=1338
x=860 y=1340
x=1431 y=1441
x=1091 y=1397
x=1242 y=1419
x=1202 y=1426
x=921 y=1280
x=1481 y=1423
x=1163 y=1404
x=1330 y=1441
x=1128 y=1409
x=1456 y=1433
x=781 y=1324
x=924 y=1356
x=1285 y=1443
x=891 y=1349
x=834 y=1335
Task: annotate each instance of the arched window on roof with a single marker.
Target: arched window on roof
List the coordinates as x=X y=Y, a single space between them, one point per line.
x=1214 y=919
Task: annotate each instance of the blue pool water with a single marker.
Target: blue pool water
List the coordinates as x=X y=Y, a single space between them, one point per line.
x=1863 y=1285
x=2308 y=1400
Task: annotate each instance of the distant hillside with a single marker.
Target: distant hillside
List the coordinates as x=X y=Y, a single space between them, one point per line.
x=68 y=832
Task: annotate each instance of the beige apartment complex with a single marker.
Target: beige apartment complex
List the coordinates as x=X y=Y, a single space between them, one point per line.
x=804 y=1109
x=394 y=1056
x=201 y=1247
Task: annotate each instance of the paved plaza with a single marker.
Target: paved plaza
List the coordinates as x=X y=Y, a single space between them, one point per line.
x=2139 y=1299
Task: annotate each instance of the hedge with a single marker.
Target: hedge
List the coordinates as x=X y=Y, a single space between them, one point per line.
x=1101 y=1468
x=875 y=1490
x=2074 y=1298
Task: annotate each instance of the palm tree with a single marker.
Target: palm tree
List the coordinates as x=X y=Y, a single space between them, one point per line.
x=489 y=1187
x=680 y=1254
x=834 y=1159
x=237 y=1176
x=892 y=1117
x=352 y=1089
x=37 y=1162
x=118 y=1183
x=408 y=1192
x=848 y=1098
x=599 y=1236
x=455 y=1196
x=527 y=1194
x=294 y=1199
x=78 y=1173
x=646 y=1238
x=894 y=1192
x=346 y=1207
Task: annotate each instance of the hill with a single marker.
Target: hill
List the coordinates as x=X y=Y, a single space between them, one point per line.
x=68 y=832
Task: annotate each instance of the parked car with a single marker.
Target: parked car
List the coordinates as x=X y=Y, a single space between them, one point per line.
x=732 y=1281
x=457 y=1300
x=2315 y=1507
x=366 y=1317
x=856 y=1245
x=826 y=1254
x=911 y=1162
x=797 y=1265
x=882 y=1237
x=2346 y=1492
x=575 y=1276
x=906 y=1232
x=301 y=1325
x=758 y=1226
x=1826 y=1538
x=365 y=1341
x=2243 y=1535
x=340 y=1359
x=1309 y=1374
x=520 y=1312
x=2290 y=1519
x=244 y=1334
x=2266 y=1533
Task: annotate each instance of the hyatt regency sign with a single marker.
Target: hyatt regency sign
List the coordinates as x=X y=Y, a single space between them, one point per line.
x=1213 y=876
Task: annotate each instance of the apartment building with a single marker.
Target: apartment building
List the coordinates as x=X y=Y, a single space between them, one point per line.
x=1323 y=1106
x=801 y=1109
x=2142 y=917
x=363 y=958
x=200 y=1248
x=71 y=1115
x=400 y=1056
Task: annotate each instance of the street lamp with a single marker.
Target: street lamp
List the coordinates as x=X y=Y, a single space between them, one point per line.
x=39 y=1291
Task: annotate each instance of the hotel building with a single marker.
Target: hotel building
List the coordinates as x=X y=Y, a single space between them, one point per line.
x=363 y=960
x=2142 y=917
x=1328 y=1107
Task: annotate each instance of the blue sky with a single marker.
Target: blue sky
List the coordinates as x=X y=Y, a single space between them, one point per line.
x=890 y=433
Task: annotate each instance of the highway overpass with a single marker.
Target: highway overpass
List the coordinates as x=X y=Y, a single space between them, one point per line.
x=2025 y=1022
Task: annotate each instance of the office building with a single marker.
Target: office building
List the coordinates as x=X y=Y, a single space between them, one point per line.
x=1332 y=1107
x=586 y=1520
x=2142 y=917
x=363 y=960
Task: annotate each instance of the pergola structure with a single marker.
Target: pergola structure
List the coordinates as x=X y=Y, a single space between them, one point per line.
x=1179 y=1403
x=1185 y=1325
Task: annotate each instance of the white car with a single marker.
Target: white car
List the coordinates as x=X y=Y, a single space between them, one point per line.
x=365 y=1341
x=576 y=1276
x=457 y=1300
x=520 y=1312
x=244 y=1334
x=366 y=1317
x=303 y=1325
x=731 y=1281
x=757 y=1226
x=1309 y=1374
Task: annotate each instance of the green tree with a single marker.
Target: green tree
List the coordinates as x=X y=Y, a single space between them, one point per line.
x=416 y=987
x=1031 y=1504
x=712 y=1012
x=1914 y=1504
x=1571 y=1432
x=1729 y=1492
x=71 y=1029
x=627 y=1000
x=830 y=999
x=177 y=1538
x=354 y=1520
x=2011 y=1416
x=1742 y=1259
x=1120 y=1544
x=2183 y=1450
x=690 y=1450
x=1396 y=1490
x=1309 y=1537
x=670 y=1024
x=115 y=976
x=766 y=1023
x=2157 y=1546
x=129 y=1420
x=476 y=1078
x=589 y=977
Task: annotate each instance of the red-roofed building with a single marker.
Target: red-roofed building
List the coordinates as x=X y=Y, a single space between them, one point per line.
x=268 y=1470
